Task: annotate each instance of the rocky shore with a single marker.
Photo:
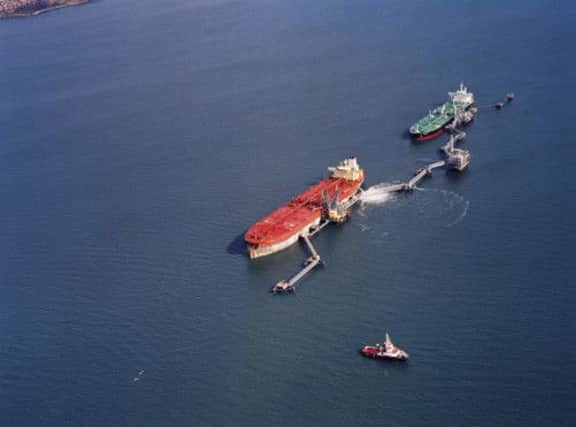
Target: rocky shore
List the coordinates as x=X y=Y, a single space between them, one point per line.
x=11 y=8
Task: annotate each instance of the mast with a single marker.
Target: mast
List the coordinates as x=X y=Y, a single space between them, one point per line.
x=388 y=342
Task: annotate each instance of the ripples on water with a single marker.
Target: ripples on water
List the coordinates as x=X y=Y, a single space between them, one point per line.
x=453 y=206
x=442 y=207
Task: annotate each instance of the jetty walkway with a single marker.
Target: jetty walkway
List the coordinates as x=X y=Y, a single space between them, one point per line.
x=310 y=263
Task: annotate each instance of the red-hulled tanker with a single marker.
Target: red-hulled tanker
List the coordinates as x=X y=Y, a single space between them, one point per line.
x=304 y=212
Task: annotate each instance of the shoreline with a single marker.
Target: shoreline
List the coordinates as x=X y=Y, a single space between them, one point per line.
x=45 y=10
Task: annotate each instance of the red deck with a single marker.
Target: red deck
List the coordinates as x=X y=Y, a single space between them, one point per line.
x=302 y=210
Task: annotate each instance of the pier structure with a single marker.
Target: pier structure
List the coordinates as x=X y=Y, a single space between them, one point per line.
x=455 y=158
x=454 y=138
x=421 y=173
x=285 y=286
x=311 y=262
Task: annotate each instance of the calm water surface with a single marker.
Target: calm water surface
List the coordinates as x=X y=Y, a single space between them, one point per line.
x=139 y=139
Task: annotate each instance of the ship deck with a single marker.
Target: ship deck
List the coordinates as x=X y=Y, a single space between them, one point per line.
x=299 y=212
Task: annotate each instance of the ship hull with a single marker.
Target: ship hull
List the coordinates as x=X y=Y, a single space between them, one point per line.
x=437 y=120
x=436 y=132
x=258 y=251
x=427 y=137
x=430 y=132
x=375 y=353
x=283 y=227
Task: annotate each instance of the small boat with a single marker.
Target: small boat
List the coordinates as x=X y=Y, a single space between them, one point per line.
x=387 y=350
x=499 y=105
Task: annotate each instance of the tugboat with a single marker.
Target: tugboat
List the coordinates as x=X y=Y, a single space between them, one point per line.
x=387 y=350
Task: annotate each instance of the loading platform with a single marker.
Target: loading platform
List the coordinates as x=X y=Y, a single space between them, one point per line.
x=448 y=150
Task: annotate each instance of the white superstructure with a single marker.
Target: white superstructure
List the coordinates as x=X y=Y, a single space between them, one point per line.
x=462 y=96
x=347 y=169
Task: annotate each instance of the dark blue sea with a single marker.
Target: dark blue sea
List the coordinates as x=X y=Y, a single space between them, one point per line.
x=140 y=139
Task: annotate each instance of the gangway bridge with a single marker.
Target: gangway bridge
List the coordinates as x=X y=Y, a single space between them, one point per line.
x=311 y=262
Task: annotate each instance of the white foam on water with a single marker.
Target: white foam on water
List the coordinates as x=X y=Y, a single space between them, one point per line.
x=377 y=194
x=137 y=377
x=451 y=210
x=462 y=215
